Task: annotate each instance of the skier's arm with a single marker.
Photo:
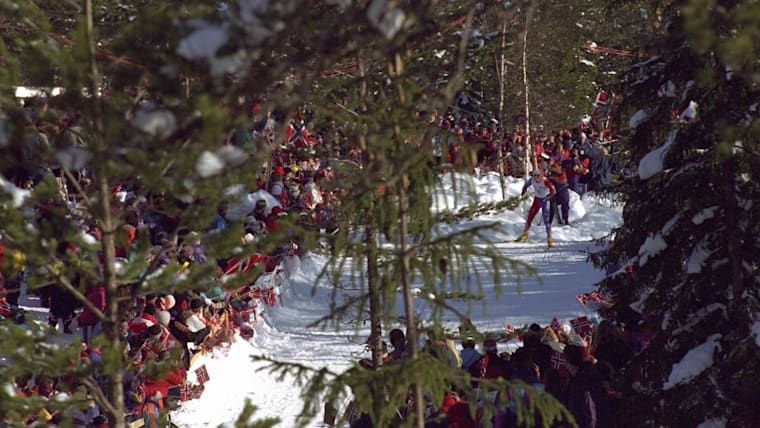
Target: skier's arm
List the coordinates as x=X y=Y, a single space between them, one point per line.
x=527 y=184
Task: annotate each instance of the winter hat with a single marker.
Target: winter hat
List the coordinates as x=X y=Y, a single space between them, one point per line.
x=216 y=293
x=130 y=233
x=163 y=318
x=489 y=345
x=141 y=323
x=167 y=302
x=537 y=172
x=154 y=330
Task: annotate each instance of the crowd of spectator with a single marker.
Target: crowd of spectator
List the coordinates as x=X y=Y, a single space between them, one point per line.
x=299 y=178
x=578 y=366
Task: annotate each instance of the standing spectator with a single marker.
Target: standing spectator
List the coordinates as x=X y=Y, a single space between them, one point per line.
x=469 y=354
x=540 y=352
x=62 y=305
x=398 y=341
x=577 y=172
x=586 y=396
x=610 y=346
x=491 y=365
x=601 y=168
x=524 y=369
x=277 y=187
x=89 y=323
x=220 y=221
x=561 y=200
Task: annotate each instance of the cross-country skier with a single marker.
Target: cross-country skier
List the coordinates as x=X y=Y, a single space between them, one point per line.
x=544 y=192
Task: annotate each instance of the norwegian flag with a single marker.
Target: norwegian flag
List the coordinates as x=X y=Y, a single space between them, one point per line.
x=556 y=326
x=558 y=360
x=202 y=374
x=236 y=265
x=190 y=391
x=5 y=308
x=594 y=298
x=582 y=327
x=509 y=328
x=582 y=299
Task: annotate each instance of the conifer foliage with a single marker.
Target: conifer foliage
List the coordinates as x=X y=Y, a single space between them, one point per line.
x=684 y=266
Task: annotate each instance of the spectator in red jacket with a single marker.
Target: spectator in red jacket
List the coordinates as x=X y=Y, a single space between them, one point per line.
x=159 y=387
x=89 y=323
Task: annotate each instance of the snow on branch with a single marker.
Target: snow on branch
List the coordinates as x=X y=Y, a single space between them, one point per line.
x=756 y=332
x=698 y=316
x=18 y=195
x=698 y=257
x=705 y=214
x=653 y=162
x=693 y=363
x=637 y=118
x=654 y=245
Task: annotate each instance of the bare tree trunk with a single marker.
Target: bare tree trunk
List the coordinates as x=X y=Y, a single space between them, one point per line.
x=115 y=393
x=406 y=286
x=501 y=71
x=528 y=145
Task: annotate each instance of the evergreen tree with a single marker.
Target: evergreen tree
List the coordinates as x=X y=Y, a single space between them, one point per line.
x=684 y=266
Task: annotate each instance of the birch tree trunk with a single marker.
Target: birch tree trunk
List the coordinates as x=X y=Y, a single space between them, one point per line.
x=529 y=155
x=501 y=71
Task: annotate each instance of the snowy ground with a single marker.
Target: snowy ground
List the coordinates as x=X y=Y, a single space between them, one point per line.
x=563 y=272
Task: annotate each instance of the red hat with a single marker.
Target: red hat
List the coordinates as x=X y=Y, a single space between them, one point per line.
x=280 y=170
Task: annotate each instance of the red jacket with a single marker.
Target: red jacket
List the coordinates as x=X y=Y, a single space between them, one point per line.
x=458 y=412
x=162 y=385
x=96 y=296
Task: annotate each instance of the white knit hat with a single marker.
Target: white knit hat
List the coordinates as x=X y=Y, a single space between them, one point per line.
x=167 y=302
x=163 y=318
